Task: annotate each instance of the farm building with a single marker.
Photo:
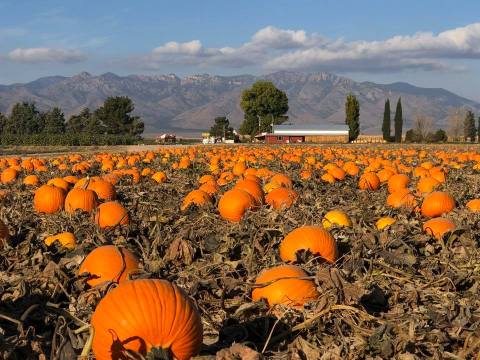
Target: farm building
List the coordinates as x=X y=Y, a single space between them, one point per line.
x=285 y=134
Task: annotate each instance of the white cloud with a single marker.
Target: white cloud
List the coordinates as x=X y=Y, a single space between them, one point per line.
x=275 y=49
x=42 y=55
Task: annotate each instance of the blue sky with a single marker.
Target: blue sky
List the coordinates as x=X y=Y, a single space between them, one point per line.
x=432 y=43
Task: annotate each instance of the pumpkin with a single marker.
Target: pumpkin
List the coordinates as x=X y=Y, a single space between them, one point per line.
x=211 y=188
x=385 y=222
x=146 y=316
x=59 y=182
x=369 y=181
x=239 y=168
x=282 y=180
x=474 y=205
x=329 y=178
x=8 y=175
x=80 y=199
x=271 y=186
x=402 y=198
x=234 y=203
x=66 y=239
x=111 y=214
x=159 y=177
x=284 y=284
x=48 y=199
x=72 y=180
x=4 y=233
x=397 y=182
x=31 y=180
x=253 y=188
x=315 y=239
x=206 y=178
x=197 y=197
x=437 y=227
x=437 y=203
x=281 y=198
x=103 y=188
x=336 y=217
x=427 y=184
x=108 y=263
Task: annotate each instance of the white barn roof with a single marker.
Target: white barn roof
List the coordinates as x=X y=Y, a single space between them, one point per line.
x=310 y=129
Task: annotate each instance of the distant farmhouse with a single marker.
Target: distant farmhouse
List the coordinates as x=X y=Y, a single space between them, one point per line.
x=314 y=133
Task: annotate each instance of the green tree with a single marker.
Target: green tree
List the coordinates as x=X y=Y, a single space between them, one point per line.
x=411 y=136
x=221 y=128
x=264 y=105
x=439 y=136
x=54 y=121
x=398 y=121
x=352 y=116
x=24 y=119
x=115 y=116
x=76 y=123
x=469 y=130
x=386 y=125
x=3 y=121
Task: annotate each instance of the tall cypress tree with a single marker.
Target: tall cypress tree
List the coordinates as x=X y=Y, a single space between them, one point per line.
x=398 y=121
x=469 y=130
x=386 y=122
x=352 y=116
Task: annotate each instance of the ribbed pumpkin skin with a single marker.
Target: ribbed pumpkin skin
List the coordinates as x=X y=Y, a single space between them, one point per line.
x=402 y=198
x=8 y=175
x=437 y=227
x=31 y=180
x=143 y=314
x=59 y=182
x=313 y=238
x=111 y=214
x=234 y=203
x=336 y=217
x=369 y=181
x=290 y=292
x=197 y=197
x=104 y=189
x=108 y=263
x=437 y=203
x=281 y=198
x=48 y=199
x=397 y=182
x=80 y=199
x=282 y=180
x=253 y=188
x=427 y=184
x=211 y=188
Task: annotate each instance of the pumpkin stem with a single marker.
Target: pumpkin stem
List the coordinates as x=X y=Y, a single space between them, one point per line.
x=159 y=354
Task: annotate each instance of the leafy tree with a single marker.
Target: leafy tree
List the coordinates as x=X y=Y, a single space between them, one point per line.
x=3 y=121
x=352 y=116
x=440 y=136
x=398 y=121
x=469 y=130
x=222 y=128
x=115 y=116
x=53 y=121
x=76 y=123
x=24 y=119
x=410 y=136
x=265 y=104
x=386 y=125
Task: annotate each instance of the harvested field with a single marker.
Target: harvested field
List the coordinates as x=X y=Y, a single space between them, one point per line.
x=397 y=292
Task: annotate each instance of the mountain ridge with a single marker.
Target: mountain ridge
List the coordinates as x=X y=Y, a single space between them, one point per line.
x=167 y=101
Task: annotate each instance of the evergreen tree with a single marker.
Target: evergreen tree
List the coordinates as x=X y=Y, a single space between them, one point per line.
x=398 y=121
x=115 y=116
x=54 y=121
x=263 y=105
x=3 y=121
x=222 y=128
x=76 y=123
x=352 y=116
x=386 y=122
x=24 y=119
x=469 y=130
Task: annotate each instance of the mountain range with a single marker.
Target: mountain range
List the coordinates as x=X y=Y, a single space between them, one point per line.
x=190 y=103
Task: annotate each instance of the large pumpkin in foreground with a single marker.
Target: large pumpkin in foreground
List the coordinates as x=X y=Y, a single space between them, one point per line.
x=284 y=284
x=315 y=239
x=108 y=263
x=146 y=316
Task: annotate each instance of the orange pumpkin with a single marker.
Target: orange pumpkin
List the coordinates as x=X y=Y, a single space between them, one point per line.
x=197 y=197
x=48 y=199
x=146 y=316
x=8 y=175
x=437 y=203
x=108 y=263
x=80 y=199
x=284 y=284
x=59 y=182
x=111 y=214
x=402 y=198
x=211 y=188
x=282 y=179
x=159 y=177
x=315 y=239
x=369 y=181
x=31 y=180
x=66 y=239
x=281 y=198
x=427 y=184
x=397 y=182
x=437 y=227
x=253 y=188
x=234 y=203
x=104 y=189
x=474 y=205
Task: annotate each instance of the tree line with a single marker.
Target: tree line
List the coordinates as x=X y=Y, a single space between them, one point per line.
x=112 y=119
